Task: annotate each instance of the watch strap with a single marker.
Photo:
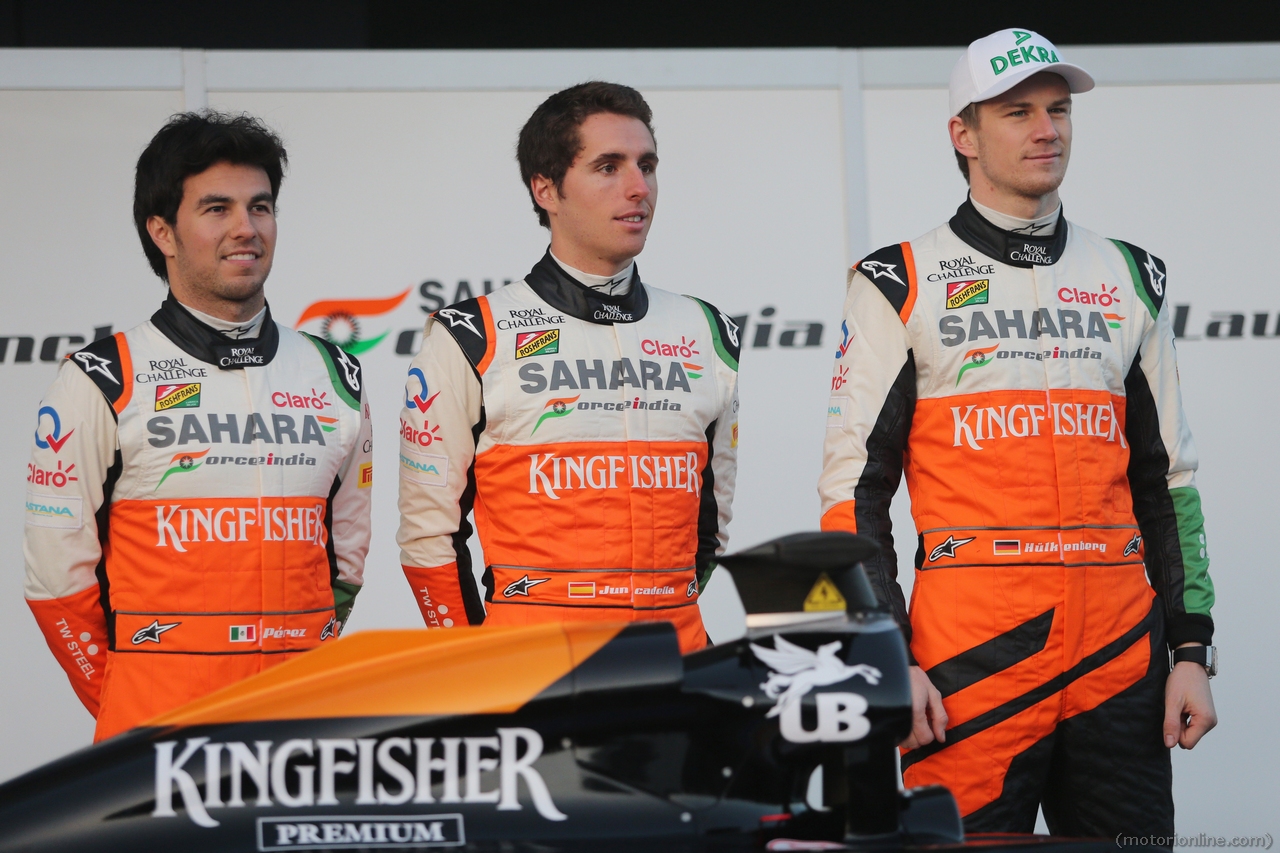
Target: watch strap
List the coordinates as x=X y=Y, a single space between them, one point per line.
x=1206 y=656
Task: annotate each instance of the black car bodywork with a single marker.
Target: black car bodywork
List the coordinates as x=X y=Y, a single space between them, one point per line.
x=782 y=740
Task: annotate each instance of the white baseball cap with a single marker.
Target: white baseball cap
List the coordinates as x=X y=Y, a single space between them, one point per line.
x=1000 y=61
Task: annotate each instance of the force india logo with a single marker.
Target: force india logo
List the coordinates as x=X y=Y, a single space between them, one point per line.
x=976 y=358
x=339 y=324
x=303 y=773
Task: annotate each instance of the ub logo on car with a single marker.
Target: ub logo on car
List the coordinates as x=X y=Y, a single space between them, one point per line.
x=796 y=671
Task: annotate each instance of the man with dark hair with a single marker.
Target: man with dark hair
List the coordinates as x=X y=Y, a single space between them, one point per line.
x=198 y=494
x=588 y=418
x=1022 y=370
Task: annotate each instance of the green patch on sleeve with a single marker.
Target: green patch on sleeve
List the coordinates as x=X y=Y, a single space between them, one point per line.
x=334 y=379
x=704 y=575
x=724 y=354
x=1138 y=284
x=344 y=597
x=1197 y=587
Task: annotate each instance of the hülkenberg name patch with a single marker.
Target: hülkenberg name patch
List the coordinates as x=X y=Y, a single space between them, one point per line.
x=178 y=396
x=962 y=293
x=541 y=342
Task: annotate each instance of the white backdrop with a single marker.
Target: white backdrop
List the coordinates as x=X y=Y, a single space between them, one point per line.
x=778 y=168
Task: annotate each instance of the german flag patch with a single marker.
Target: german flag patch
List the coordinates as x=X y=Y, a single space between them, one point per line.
x=1007 y=547
x=542 y=342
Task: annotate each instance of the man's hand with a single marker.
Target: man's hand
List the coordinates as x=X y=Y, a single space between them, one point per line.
x=1188 y=705
x=929 y=719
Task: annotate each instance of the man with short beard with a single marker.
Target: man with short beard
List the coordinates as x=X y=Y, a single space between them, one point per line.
x=198 y=495
x=1022 y=370
x=588 y=417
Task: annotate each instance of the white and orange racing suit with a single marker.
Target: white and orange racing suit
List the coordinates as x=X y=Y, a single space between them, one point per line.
x=595 y=438
x=1028 y=388
x=197 y=509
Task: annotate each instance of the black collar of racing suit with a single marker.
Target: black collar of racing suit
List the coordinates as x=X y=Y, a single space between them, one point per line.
x=211 y=346
x=564 y=293
x=1016 y=250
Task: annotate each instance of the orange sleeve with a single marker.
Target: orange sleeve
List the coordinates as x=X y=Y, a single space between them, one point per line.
x=76 y=630
x=439 y=595
x=840 y=517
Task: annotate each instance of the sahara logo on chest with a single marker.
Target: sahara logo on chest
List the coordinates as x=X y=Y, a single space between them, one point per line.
x=283 y=429
x=621 y=373
x=1068 y=323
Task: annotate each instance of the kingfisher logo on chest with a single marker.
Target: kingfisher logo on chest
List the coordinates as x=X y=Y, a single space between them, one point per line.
x=541 y=342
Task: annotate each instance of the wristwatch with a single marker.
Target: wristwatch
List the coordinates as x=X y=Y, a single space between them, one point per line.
x=1206 y=656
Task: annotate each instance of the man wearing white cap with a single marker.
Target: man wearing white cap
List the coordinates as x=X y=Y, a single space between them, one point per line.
x=1021 y=370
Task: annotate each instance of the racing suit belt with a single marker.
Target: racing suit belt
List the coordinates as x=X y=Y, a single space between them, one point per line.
x=276 y=632
x=964 y=547
x=628 y=589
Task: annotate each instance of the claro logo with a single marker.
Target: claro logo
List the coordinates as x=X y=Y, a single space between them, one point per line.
x=314 y=400
x=302 y=773
x=1104 y=297
x=684 y=349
